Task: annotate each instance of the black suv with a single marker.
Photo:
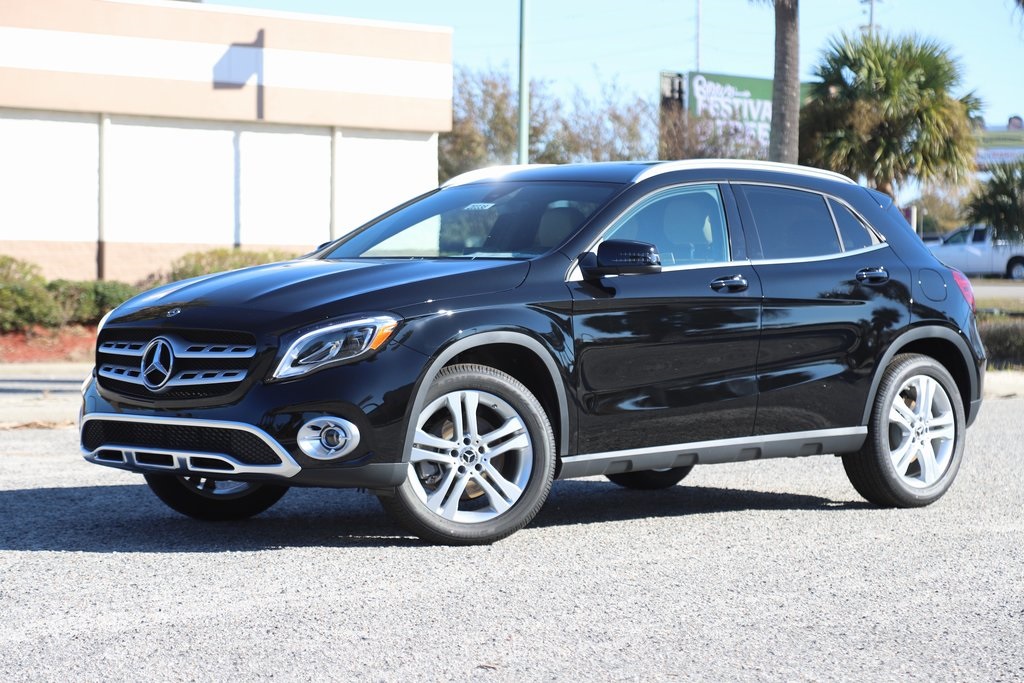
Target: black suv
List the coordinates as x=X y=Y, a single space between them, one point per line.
x=519 y=324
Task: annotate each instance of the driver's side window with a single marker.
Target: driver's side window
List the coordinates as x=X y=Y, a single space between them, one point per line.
x=685 y=224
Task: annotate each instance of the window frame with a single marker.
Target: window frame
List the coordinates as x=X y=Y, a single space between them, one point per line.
x=736 y=246
x=754 y=234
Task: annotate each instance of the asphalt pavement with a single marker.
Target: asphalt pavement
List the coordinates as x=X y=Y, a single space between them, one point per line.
x=757 y=571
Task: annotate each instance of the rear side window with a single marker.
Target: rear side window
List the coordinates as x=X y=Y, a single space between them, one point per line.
x=855 y=234
x=792 y=223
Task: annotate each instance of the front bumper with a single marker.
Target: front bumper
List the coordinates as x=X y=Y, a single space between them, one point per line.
x=255 y=439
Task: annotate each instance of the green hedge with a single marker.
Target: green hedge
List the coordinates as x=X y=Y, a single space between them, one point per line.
x=85 y=302
x=28 y=300
x=24 y=299
x=199 y=263
x=1003 y=337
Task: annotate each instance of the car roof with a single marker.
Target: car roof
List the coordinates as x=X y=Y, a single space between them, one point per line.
x=629 y=172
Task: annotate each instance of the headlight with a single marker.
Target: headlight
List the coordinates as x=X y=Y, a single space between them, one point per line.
x=335 y=344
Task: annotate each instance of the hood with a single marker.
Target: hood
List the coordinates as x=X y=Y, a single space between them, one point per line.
x=281 y=296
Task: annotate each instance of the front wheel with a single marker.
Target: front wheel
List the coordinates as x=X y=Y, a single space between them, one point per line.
x=915 y=438
x=214 y=500
x=482 y=459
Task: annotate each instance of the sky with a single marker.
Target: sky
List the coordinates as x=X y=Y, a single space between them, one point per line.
x=588 y=44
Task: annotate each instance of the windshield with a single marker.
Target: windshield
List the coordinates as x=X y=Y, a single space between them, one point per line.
x=482 y=220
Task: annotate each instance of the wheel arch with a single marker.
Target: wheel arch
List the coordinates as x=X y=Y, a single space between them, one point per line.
x=943 y=345
x=515 y=353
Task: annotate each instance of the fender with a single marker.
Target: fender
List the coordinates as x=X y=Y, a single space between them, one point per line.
x=916 y=334
x=483 y=339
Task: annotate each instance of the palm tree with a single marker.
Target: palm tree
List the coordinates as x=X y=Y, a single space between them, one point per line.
x=999 y=202
x=883 y=108
x=783 y=141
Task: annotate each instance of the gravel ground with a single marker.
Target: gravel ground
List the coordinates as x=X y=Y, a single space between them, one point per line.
x=756 y=571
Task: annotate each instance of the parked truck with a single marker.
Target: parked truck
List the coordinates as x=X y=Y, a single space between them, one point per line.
x=973 y=250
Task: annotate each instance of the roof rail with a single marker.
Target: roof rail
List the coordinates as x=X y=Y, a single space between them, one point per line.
x=741 y=164
x=489 y=173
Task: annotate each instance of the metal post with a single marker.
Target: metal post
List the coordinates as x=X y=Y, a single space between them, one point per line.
x=697 y=37
x=334 y=183
x=524 y=90
x=101 y=196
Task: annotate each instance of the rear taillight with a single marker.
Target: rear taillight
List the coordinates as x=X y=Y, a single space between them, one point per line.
x=965 y=287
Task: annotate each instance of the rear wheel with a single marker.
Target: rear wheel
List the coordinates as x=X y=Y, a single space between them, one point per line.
x=915 y=437
x=650 y=480
x=1015 y=269
x=214 y=499
x=482 y=459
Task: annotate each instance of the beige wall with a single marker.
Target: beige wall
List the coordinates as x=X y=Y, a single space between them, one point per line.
x=162 y=127
x=198 y=61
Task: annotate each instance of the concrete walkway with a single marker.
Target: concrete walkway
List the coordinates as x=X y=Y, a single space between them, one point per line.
x=47 y=394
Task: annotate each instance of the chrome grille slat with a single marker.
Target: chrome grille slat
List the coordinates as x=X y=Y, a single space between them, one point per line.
x=184 y=378
x=203 y=365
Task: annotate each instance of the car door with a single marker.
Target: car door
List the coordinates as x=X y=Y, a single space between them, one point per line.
x=666 y=358
x=834 y=295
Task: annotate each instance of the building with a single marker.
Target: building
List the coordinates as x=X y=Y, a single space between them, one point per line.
x=134 y=131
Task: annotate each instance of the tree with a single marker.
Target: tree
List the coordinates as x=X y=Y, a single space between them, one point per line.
x=939 y=210
x=884 y=108
x=485 y=126
x=999 y=202
x=485 y=123
x=612 y=128
x=784 y=140
x=696 y=136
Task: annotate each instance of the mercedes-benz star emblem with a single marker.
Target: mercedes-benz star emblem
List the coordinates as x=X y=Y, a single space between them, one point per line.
x=157 y=364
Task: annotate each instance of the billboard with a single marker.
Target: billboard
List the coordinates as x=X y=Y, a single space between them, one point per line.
x=999 y=145
x=736 y=105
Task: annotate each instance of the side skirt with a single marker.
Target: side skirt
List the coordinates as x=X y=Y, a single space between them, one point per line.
x=791 y=445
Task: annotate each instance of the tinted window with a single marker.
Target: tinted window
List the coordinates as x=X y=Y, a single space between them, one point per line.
x=958 y=237
x=855 y=234
x=686 y=224
x=980 y=235
x=480 y=220
x=791 y=223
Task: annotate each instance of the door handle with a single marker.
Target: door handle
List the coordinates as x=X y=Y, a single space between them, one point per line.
x=730 y=283
x=873 y=276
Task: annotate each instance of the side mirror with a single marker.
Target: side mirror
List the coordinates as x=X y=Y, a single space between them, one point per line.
x=620 y=257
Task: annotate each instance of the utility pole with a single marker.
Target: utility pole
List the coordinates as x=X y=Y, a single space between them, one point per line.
x=696 y=39
x=524 y=90
x=871 y=15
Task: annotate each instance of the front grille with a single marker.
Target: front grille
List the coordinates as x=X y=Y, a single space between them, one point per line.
x=238 y=444
x=205 y=363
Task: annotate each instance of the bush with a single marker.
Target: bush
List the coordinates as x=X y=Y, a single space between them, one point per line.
x=24 y=299
x=85 y=302
x=1003 y=337
x=110 y=295
x=198 y=263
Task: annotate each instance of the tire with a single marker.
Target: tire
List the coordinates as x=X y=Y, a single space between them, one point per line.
x=1015 y=269
x=650 y=480
x=214 y=500
x=915 y=437
x=482 y=459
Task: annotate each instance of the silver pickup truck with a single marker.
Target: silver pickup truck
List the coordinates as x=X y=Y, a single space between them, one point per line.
x=972 y=250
